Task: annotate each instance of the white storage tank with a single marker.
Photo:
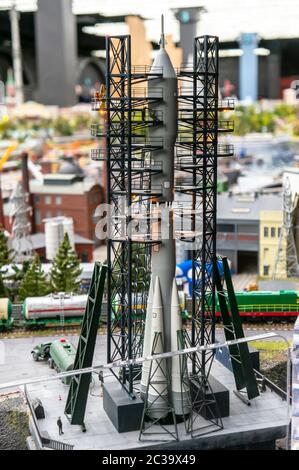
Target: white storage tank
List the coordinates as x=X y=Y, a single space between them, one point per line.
x=53 y=306
x=5 y=311
x=55 y=228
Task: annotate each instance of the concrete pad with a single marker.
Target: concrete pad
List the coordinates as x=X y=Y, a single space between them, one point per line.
x=264 y=421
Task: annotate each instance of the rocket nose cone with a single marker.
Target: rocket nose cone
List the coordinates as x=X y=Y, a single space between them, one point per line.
x=174 y=295
x=162 y=61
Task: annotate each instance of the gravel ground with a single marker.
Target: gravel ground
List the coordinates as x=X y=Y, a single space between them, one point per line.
x=14 y=422
x=277 y=373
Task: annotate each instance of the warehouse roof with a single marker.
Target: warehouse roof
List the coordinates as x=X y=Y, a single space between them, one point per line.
x=61 y=184
x=38 y=241
x=248 y=208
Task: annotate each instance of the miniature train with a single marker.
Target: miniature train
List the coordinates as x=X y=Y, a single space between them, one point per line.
x=44 y=311
x=49 y=311
x=267 y=305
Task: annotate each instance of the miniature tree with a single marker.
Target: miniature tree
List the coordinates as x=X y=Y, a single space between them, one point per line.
x=66 y=270
x=6 y=254
x=34 y=283
x=17 y=277
x=4 y=292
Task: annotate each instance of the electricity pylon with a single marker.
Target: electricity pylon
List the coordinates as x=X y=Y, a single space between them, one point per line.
x=286 y=259
x=20 y=213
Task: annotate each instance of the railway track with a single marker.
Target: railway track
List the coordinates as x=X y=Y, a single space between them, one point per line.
x=22 y=331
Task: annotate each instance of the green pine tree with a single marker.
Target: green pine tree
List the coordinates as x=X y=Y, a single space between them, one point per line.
x=34 y=283
x=66 y=270
x=6 y=254
x=4 y=292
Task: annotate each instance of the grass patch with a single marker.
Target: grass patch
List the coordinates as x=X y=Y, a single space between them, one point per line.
x=271 y=346
x=271 y=352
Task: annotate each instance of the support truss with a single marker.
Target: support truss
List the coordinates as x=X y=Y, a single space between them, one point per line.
x=128 y=158
x=79 y=387
x=197 y=153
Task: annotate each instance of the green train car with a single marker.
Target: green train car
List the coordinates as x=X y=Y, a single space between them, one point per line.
x=267 y=305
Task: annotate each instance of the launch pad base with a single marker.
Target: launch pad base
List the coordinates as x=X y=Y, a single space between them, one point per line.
x=250 y=427
x=221 y=395
x=124 y=412
x=255 y=426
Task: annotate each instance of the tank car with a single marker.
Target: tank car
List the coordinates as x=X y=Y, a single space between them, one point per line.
x=53 y=309
x=6 y=319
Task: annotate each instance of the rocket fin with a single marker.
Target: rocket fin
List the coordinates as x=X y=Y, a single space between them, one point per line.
x=158 y=406
x=147 y=339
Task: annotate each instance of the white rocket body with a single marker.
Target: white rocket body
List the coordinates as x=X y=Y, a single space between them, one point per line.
x=163 y=255
x=163 y=314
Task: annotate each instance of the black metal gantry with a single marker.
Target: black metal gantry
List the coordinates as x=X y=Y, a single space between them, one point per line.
x=197 y=154
x=129 y=191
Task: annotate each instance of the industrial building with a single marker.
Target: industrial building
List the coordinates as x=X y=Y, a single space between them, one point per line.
x=68 y=195
x=258 y=59
x=270 y=229
x=63 y=195
x=248 y=229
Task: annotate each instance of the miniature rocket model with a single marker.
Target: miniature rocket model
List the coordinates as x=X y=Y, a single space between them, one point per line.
x=163 y=313
x=163 y=254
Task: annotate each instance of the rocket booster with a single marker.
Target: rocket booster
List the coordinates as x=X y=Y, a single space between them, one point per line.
x=163 y=296
x=163 y=254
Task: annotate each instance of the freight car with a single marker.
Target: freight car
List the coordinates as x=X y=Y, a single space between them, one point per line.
x=52 y=310
x=6 y=319
x=268 y=306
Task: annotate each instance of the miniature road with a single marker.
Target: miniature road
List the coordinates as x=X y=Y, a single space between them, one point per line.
x=16 y=362
x=266 y=417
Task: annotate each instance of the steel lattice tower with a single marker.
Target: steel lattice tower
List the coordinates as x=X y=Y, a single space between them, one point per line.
x=128 y=156
x=21 y=227
x=198 y=116
x=286 y=262
x=130 y=165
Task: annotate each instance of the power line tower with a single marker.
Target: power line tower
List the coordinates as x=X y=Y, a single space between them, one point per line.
x=21 y=239
x=286 y=261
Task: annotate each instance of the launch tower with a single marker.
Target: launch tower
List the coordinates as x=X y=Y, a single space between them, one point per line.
x=159 y=121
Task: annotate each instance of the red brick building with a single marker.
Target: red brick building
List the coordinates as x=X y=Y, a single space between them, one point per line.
x=66 y=195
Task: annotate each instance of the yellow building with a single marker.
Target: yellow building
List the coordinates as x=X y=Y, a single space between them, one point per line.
x=270 y=228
